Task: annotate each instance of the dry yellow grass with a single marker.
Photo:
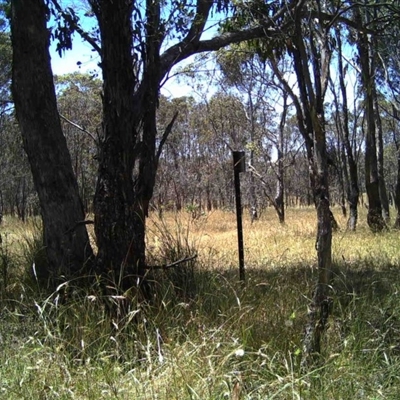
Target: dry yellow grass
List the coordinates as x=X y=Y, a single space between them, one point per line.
x=269 y=244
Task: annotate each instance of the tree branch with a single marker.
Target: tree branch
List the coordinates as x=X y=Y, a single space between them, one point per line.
x=202 y=10
x=80 y=128
x=191 y=45
x=164 y=138
x=183 y=50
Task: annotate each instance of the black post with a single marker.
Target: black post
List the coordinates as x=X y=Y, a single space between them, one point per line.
x=238 y=167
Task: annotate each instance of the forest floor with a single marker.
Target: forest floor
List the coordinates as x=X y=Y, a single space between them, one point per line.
x=205 y=335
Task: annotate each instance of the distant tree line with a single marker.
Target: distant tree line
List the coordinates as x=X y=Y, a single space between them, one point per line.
x=195 y=170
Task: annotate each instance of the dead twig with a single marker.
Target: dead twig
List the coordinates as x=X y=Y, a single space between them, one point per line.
x=172 y=265
x=81 y=128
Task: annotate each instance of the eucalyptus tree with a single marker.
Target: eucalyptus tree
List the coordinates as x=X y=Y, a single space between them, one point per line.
x=369 y=22
x=266 y=111
x=139 y=43
x=311 y=55
x=5 y=63
x=388 y=64
x=343 y=125
x=189 y=168
x=307 y=45
x=79 y=105
x=396 y=137
x=240 y=72
x=17 y=196
x=228 y=128
x=5 y=77
x=391 y=123
x=298 y=191
x=66 y=238
x=338 y=172
x=170 y=188
x=220 y=123
x=388 y=68
x=384 y=22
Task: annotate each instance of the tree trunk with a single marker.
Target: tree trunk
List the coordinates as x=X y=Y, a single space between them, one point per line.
x=312 y=93
x=128 y=157
x=374 y=217
x=279 y=198
x=280 y=187
x=119 y=222
x=380 y=153
x=253 y=196
x=397 y=187
x=352 y=190
x=381 y=174
x=149 y=155
x=319 y=307
x=21 y=199
x=1 y=206
x=66 y=239
x=397 y=190
x=345 y=184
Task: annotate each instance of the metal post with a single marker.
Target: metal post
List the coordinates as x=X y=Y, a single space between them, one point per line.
x=238 y=167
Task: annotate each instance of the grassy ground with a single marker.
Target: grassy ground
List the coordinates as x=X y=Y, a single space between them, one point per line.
x=206 y=336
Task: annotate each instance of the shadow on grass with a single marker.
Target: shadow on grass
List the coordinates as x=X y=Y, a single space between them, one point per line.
x=207 y=327
x=270 y=308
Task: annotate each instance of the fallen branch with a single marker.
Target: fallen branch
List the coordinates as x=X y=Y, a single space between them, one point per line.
x=174 y=264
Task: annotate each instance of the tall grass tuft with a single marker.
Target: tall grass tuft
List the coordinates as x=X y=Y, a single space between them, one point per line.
x=6 y=264
x=205 y=335
x=174 y=255
x=33 y=253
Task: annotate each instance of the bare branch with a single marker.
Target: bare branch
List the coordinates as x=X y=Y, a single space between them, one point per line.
x=174 y=264
x=167 y=131
x=81 y=128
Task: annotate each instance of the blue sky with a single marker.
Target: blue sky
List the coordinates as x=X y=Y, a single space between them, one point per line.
x=81 y=52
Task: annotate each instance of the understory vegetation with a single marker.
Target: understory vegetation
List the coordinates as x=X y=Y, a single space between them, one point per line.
x=205 y=335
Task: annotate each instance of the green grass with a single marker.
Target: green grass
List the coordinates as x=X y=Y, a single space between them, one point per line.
x=206 y=336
